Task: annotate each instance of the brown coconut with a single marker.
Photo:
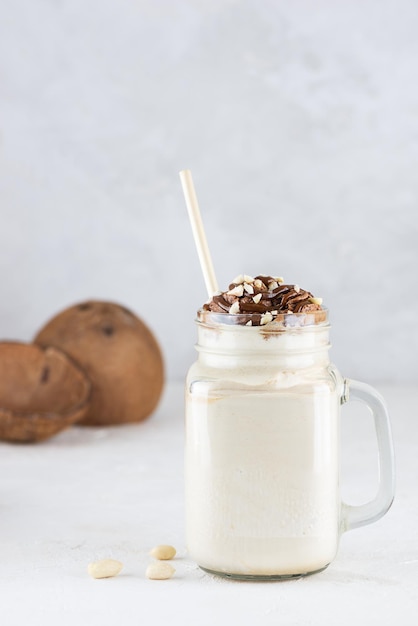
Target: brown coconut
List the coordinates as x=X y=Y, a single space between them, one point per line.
x=41 y=392
x=119 y=354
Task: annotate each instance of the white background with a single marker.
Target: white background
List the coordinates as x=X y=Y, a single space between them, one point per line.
x=299 y=120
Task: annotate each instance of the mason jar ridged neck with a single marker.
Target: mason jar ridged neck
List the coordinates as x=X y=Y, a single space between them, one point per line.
x=295 y=341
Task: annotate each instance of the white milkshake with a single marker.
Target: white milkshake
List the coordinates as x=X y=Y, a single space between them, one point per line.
x=262 y=447
x=262 y=429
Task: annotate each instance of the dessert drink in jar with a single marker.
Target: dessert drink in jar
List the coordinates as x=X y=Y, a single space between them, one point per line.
x=263 y=435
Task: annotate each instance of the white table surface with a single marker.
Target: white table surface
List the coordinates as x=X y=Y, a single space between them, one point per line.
x=96 y=493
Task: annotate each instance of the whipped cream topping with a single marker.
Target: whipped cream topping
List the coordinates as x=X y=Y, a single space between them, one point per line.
x=258 y=301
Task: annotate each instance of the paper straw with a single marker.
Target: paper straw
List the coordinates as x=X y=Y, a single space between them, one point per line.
x=198 y=232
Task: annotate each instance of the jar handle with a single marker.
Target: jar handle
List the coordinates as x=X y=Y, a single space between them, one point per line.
x=355 y=516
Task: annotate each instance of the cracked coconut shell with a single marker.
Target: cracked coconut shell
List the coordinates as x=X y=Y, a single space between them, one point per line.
x=119 y=354
x=41 y=392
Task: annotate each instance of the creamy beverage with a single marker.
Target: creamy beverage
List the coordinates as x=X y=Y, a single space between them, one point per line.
x=262 y=434
x=262 y=488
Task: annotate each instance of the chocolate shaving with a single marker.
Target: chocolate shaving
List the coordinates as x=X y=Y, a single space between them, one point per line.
x=280 y=300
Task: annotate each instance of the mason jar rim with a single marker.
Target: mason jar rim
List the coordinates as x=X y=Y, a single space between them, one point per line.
x=281 y=322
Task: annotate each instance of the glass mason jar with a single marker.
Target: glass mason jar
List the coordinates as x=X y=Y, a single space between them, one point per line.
x=263 y=448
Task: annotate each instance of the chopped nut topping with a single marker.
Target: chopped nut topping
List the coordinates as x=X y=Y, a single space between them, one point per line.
x=236 y=291
x=263 y=299
x=266 y=318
